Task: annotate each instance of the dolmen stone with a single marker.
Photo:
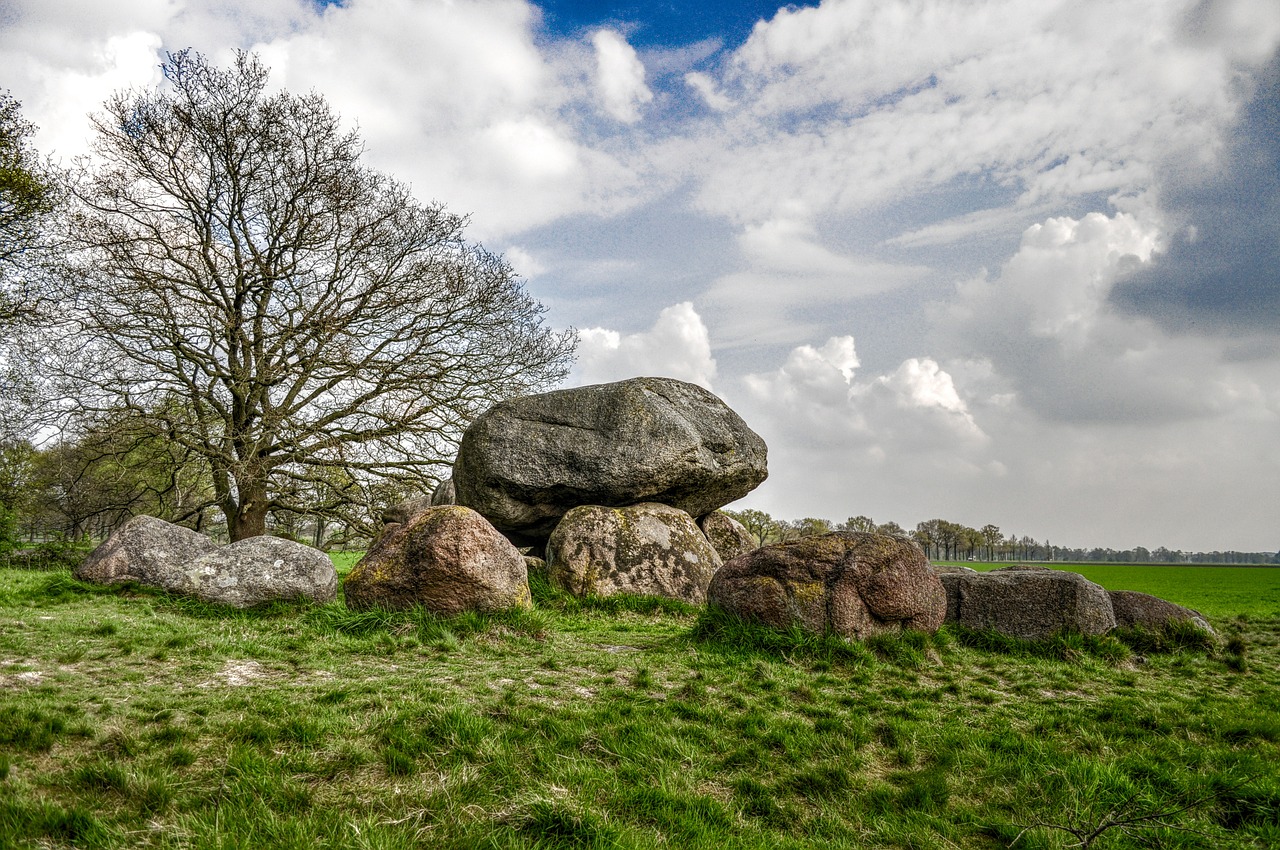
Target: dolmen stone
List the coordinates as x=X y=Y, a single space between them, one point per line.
x=260 y=569
x=1028 y=602
x=1142 y=610
x=444 y=494
x=649 y=548
x=528 y=461
x=855 y=584
x=447 y=559
x=402 y=512
x=168 y=557
x=146 y=550
x=728 y=536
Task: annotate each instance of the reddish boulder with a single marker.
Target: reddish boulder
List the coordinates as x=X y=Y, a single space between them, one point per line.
x=447 y=559
x=855 y=584
x=1143 y=610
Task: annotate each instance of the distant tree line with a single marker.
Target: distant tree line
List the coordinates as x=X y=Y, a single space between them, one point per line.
x=943 y=540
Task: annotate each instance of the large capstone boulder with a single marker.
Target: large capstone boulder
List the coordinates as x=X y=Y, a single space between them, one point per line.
x=526 y=462
x=447 y=559
x=1028 y=602
x=728 y=536
x=147 y=550
x=854 y=584
x=1142 y=610
x=650 y=548
x=260 y=569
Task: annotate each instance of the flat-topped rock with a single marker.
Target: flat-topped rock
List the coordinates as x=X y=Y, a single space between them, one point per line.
x=1028 y=602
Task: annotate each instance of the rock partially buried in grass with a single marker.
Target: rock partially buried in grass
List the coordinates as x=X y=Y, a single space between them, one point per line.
x=648 y=548
x=1133 y=609
x=447 y=559
x=527 y=461
x=1028 y=602
x=260 y=569
x=147 y=550
x=854 y=584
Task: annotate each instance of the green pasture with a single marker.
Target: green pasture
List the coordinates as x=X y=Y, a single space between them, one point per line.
x=1214 y=591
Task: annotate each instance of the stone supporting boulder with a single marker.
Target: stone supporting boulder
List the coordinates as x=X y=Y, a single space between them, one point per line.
x=1028 y=602
x=526 y=462
x=444 y=494
x=402 y=512
x=1133 y=609
x=728 y=536
x=260 y=569
x=147 y=550
x=855 y=584
x=649 y=548
x=447 y=559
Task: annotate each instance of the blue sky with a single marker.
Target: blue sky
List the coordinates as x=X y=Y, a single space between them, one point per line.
x=991 y=261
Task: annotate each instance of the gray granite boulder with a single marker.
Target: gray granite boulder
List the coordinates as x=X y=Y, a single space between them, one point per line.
x=1028 y=602
x=444 y=494
x=728 y=536
x=1133 y=609
x=447 y=559
x=147 y=550
x=402 y=512
x=649 y=548
x=260 y=569
x=526 y=462
x=855 y=584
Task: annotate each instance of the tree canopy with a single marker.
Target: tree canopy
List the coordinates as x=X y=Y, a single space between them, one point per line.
x=296 y=322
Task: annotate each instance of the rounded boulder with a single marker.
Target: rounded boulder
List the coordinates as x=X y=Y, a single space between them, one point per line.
x=728 y=536
x=260 y=569
x=147 y=550
x=855 y=584
x=650 y=548
x=528 y=461
x=447 y=559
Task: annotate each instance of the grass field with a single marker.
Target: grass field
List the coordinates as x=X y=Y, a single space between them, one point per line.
x=1214 y=591
x=131 y=719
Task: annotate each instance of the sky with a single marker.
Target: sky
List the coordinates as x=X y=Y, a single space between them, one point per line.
x=989 y=261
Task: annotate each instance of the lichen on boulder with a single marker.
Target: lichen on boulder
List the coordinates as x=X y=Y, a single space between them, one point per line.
x=855 y=584
x=648 y=548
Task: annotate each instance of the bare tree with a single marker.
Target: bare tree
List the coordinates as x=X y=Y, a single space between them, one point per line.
x=248 y=289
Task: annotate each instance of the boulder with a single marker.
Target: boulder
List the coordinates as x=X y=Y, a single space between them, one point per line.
x=854 y=584
x=649 y=548
x=1133 y=609
x=402 y=512
x=1028 y=602
x=728 y=536
x=447 y=559
x=260 y=569
x=147 y=550
x=526 y=462
x=444 y=494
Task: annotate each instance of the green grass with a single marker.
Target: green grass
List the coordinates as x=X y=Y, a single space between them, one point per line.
x=131 y=719
x=1214 y=591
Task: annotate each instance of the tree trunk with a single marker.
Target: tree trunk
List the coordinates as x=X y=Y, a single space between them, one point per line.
x=250 y=517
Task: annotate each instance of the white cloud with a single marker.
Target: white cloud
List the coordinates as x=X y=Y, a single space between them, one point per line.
x=677 y=346
x=620 y=77
x=706 y=88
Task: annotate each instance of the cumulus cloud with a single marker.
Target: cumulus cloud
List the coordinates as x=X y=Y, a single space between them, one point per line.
x=706 y=88
x=620 y=77
x=677 y=346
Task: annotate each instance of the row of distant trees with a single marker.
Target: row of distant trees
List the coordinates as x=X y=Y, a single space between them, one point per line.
x=952 y=541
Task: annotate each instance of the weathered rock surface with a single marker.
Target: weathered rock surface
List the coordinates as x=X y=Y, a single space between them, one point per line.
x=260 y=569
x=447 y=559
x=444 y=494
x=402 y=512
x=648 y=548
x=855 y=584
x=728 y=536
x=527 y=461
x=1133 y=609
x=147 y=550
x=1028 y=602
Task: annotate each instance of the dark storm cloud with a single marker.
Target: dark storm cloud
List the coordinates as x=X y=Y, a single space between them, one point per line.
x=1221 y=271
